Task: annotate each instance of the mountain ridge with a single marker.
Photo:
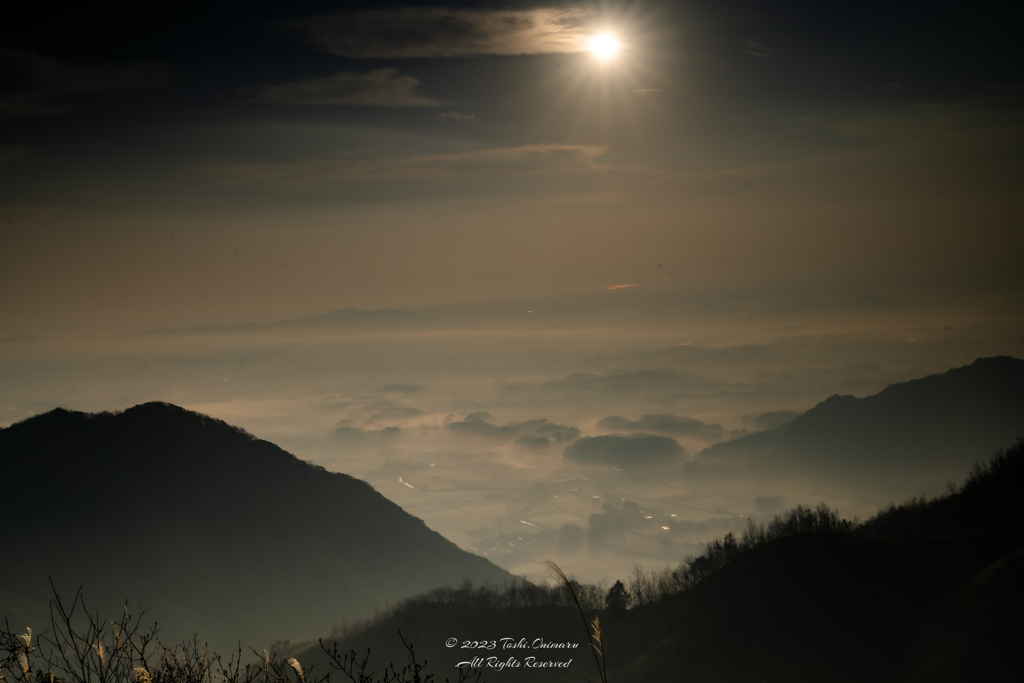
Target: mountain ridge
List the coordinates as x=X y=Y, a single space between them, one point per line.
x=216 y=530
x=945 y=421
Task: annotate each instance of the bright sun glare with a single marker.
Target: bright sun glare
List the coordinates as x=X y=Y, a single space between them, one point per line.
x=604 y=46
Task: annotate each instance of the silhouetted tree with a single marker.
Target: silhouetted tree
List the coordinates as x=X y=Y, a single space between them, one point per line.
x=617 y=598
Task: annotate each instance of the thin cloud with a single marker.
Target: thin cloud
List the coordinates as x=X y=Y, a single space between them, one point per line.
x=456 y=116
x=46 y=87
x=440 y=32
x=377 y=88
x=761 y=51
x=525 y=159
x=935 y=150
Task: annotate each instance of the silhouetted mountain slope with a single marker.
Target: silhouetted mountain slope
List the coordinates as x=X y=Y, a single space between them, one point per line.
x=925 y=591
x=897 y=599
x=215 y=531
x=938 y=424
x=976 y=634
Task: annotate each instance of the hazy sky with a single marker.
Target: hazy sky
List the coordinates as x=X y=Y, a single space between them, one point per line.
x=197 y=164
x=749 y=207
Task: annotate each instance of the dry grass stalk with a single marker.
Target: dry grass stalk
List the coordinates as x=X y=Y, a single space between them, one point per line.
x=598 y=636
x=294 y=663
x=23 y=661
x=599 y=652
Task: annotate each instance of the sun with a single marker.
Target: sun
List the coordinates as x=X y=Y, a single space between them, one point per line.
x=604 y=46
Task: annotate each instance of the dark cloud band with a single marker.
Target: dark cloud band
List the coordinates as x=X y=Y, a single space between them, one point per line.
x=440 y=32
x=377 y=88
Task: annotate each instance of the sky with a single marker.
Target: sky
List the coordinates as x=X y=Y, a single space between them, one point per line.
x=211 y=164
x=815 y=198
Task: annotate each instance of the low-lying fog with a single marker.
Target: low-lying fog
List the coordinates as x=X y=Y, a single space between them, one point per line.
x=471 y=417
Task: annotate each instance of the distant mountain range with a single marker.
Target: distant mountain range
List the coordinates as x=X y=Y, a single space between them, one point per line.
x=216 y=532
x=937 y=425
x=570 y=310
x=346 y=317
